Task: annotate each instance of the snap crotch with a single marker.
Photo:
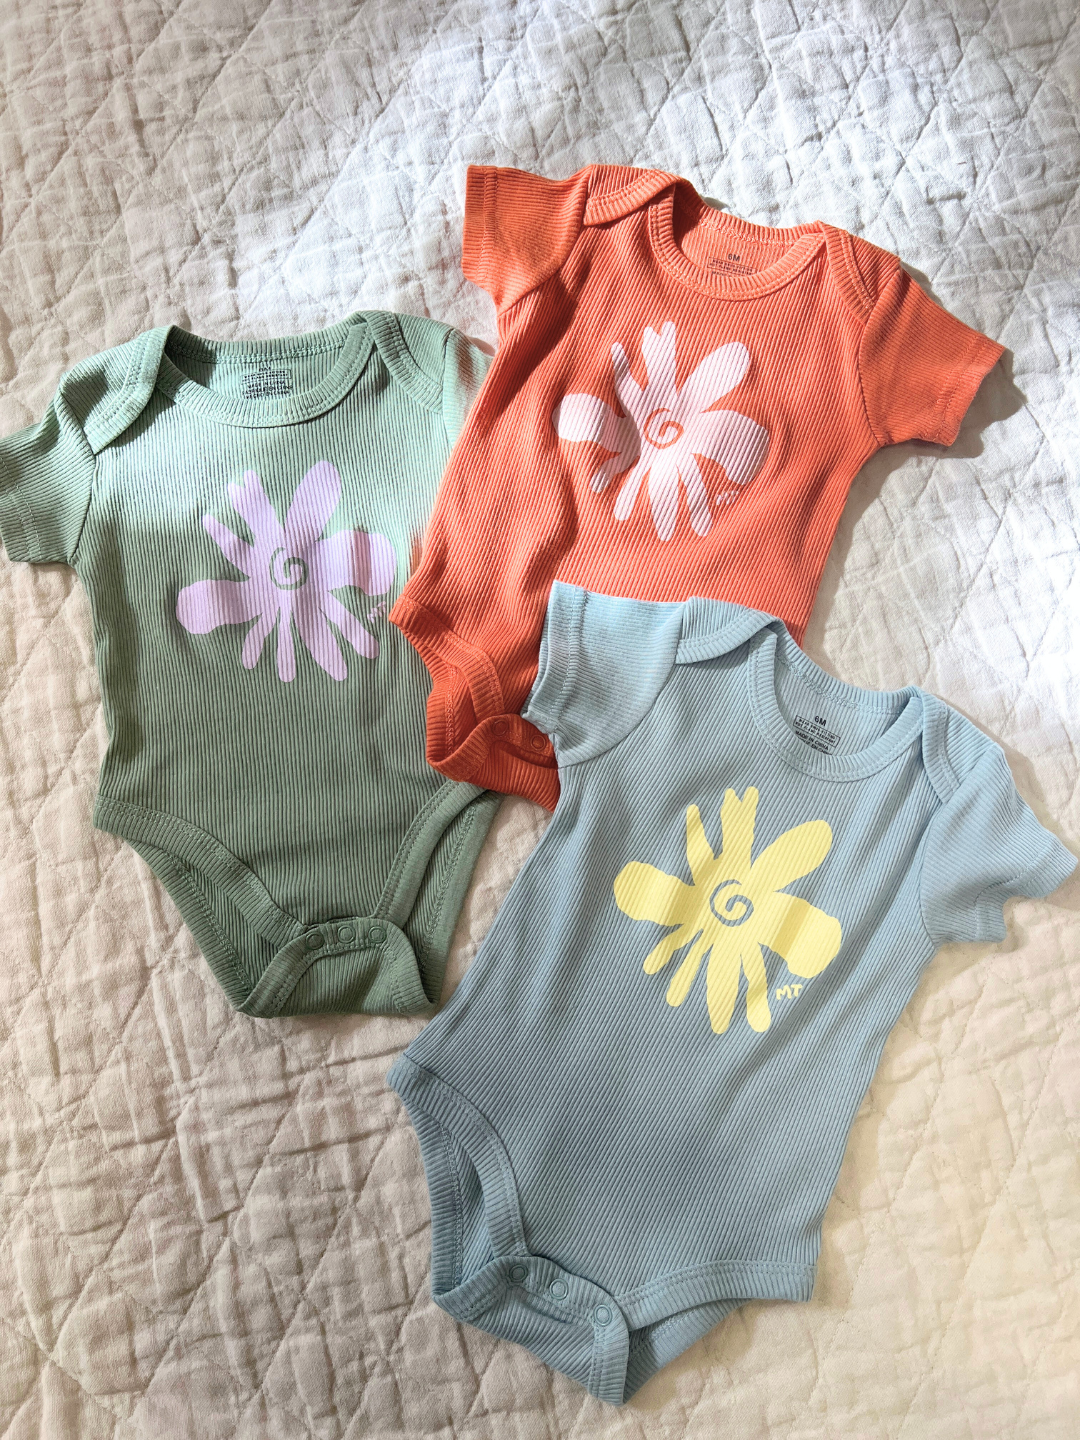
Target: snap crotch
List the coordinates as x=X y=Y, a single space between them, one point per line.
x=566 y=1321
x=482 y=1271
x=357 y=956
x=270 y=962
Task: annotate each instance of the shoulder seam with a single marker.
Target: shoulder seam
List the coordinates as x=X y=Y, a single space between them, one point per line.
x=130 y=383
x=860 y=301
x=92 y=454
x=599 y=754
x=393 y=348
x=547 y=279
x=923 y=847
x=442 y=392
x=858 y=355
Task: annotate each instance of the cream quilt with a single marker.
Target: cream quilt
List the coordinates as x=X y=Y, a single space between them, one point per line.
x=213 y=1226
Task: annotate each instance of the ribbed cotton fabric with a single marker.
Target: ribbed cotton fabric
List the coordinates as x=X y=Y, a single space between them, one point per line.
x=678 y=406
x=242 y=516
x=633 y=1110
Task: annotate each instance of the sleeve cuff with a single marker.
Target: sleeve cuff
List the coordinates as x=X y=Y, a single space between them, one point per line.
x=1042 y=879
x=17 y=528
x=558 y=647
x=478 y=179
x=984 y=355
x=1053 y=870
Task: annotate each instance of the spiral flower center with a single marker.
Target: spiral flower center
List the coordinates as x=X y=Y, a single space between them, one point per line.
x=729 y=916
x=661 y=430
x=290 y=573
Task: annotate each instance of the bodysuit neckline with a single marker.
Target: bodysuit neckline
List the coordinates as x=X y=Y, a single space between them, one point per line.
x=352 y=338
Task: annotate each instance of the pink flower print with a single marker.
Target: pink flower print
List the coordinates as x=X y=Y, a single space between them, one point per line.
x=666 y=430
x=291 y=575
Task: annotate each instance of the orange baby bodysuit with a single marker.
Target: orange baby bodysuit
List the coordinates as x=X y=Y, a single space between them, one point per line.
x=679 y=403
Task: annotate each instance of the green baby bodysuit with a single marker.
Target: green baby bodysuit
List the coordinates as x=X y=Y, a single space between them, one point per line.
x=243 y=515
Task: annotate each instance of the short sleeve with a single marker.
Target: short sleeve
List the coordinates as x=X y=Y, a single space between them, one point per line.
x=46 y=478
x=603 y=662
x=519 y=228
x=983 y=847
x=920 y=367
x=464 y=369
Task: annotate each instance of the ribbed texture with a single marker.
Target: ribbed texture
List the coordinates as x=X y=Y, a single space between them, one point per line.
x=242 y=515
x=667 y=1149
x=637 y=473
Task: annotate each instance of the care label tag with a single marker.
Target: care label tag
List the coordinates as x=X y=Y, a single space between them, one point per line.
x=267 y=382
x=814 y=729
x=730 y=264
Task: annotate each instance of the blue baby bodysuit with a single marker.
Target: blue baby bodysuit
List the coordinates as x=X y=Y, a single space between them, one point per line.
x=633 y=1111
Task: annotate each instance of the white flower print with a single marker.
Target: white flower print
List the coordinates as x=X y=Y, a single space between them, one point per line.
x=291 y=576
x=666 y=430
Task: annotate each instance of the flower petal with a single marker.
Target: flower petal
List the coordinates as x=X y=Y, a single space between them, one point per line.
x=685 y=975
x=645 y=893
x=699 y=855
x=737 y=819
x=804 y=937
x=238 y=552
x=757 y=988
x=315 y=500
x=584 y=419
x=734 y=441
x=793 y=854
x=670 y=945
x=286 y=655
x=624 y=501
x=631 y=396
x=606 y=473
x=204 y=606
x=252 y=504
x=256 y=637
x=354 y=557
x=659 y=353
x=316 y=633
x=360 y=638
x=714 y=376
x=664 y=494
x=722 y=983
x=588 y=420
x=696 y=498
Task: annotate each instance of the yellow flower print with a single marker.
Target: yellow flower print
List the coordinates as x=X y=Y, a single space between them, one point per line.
x=733 y=908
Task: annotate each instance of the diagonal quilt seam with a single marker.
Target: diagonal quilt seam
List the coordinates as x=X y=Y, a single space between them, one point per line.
x=302 y=1296
x=101 y=1404
x=261 y=148
x=1064 y=41
x=227 y=1238
x=49 y=621
x=957 y=1293
x=288 y=253
x=99 y=244
x=72 y=140
x=897 y=1190
x=65 y=1126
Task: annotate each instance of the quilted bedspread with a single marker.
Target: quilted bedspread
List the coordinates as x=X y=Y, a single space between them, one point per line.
x=213 y=1226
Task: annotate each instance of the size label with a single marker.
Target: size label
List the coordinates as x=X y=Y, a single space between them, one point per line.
x=730 y=264
x=814 y=729
x=266 y=382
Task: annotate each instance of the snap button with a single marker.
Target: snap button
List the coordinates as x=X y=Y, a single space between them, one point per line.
x=346 y=932
x=537 y=743
x=602 y=1315
x=518 y=1273
x=314 y=940
x=377 y=934
x=559 y=1289
x=501 y=727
